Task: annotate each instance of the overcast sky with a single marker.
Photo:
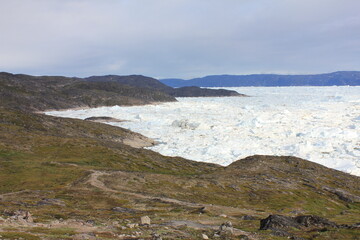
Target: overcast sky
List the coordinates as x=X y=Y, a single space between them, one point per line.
x=178 y=38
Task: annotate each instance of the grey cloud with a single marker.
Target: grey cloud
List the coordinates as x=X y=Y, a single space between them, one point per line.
x=178 y=38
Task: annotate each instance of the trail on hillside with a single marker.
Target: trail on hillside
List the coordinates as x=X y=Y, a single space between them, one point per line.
x=94 y=181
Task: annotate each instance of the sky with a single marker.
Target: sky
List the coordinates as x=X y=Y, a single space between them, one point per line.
x=178 y=38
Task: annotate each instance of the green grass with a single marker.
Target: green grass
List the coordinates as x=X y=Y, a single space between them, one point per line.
x=53 y=231
x=18 y=235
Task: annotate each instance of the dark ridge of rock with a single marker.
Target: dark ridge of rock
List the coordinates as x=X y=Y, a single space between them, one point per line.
x=203 y=92
x=39 y=93
x=278 y=222
x=201 y=210
x=151 y=83
x=32 y=93
x=353 y=226
x=132 y=80
x=343 y=195
x=103 y=119
x=314 y=221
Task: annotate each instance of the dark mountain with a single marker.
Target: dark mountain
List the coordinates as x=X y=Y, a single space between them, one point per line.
x=202 y=92
x=132 y=80
x=269 y=80
x=33 y=93
x=151 y=83
x=55 y=92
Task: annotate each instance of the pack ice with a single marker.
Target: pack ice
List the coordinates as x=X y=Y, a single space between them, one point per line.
x=320 y=124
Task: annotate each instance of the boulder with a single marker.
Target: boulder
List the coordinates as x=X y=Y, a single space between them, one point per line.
x=204 y=236
x=145 y=220
x=278 y=222
x=21 y=216
x=201 y=210
x=226 y=228
x=314 y=221
x=156 y=236
x=131 y=225
x=28 y=217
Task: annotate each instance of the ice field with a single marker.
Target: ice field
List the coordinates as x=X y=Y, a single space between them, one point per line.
x=320 y=124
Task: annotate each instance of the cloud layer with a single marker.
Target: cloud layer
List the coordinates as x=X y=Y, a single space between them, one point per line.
x=178 y=38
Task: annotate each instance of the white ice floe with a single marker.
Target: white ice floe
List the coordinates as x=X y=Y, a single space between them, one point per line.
x=321 y=124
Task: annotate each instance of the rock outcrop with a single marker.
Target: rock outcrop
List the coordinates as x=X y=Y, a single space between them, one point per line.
x=275 y=222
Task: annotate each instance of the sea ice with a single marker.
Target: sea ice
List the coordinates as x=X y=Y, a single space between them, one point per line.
x=320 y=124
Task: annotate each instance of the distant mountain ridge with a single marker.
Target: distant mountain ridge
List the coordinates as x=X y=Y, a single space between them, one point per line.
x=341 y=78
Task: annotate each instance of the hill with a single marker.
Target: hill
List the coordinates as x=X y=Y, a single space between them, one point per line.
x=18 y=91
x=38 y=93
x=270 y=80
x=151 y=83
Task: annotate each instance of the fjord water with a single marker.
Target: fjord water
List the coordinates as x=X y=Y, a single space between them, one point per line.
x=320 y=124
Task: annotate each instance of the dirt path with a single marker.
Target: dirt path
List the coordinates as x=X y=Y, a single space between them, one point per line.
x=195 y=225
x=14 y=193
x=95 y=182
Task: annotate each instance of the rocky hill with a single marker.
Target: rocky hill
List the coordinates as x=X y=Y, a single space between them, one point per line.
x=151 y=83
x=351 y=78
x=19 y=91
x=50 y=92
x=65 y=178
